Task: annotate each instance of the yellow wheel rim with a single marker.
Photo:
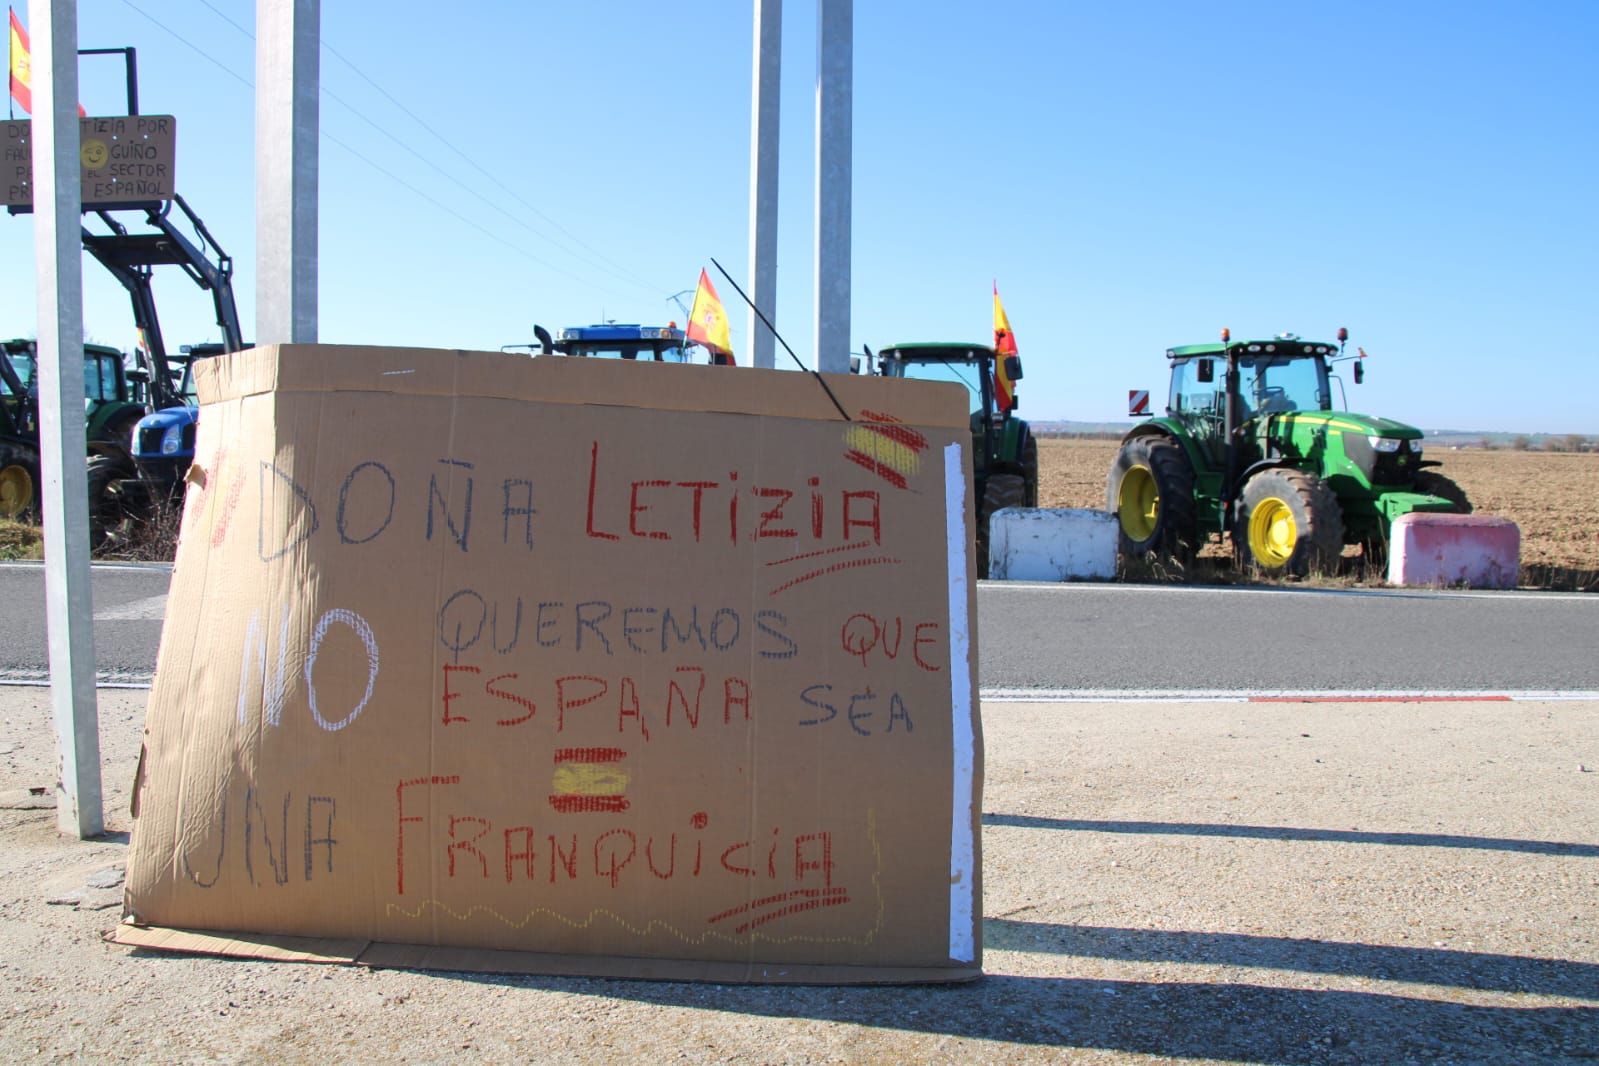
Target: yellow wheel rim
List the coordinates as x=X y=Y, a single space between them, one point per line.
x=1138 y=504
x=16 y=491
x=1272 y=533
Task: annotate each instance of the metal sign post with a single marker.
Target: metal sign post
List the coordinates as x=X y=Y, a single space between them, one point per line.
x=287 y=76
x=834 y=130
x=57 y=236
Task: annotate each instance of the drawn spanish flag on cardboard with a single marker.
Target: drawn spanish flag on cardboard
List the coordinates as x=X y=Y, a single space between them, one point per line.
x=567 y=666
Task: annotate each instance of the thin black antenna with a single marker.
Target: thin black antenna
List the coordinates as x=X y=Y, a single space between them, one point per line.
x=767 y=323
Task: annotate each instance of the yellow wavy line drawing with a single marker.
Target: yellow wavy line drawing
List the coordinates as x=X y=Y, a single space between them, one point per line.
x=653 y=924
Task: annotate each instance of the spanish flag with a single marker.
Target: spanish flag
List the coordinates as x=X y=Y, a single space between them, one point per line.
x=589 y=781
x=1004 y=345
x=707 y=322
x=22 y=67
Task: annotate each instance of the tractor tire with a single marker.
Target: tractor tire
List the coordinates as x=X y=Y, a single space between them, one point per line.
x=19 y=483
x=1150 y=490
x=1289 y=523
x=999 y=492
x=112 y=517
x=1437 y=485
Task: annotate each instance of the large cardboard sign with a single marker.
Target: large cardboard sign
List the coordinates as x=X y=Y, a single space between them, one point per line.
x=645 y=668
x=122 y=159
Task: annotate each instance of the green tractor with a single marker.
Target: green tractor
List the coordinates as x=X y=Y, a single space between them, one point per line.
x=1004 y=451
x=1251 y=445
x=110 y=411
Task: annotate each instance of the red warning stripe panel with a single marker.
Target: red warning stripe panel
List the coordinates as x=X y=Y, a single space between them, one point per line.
x=1138 y=401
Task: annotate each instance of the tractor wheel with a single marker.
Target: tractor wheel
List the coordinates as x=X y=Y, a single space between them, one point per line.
x=111 y=516
x=1151 y=492
x=19 y=483
x=1288 y=522
x=1437 y=485
x=999 y=492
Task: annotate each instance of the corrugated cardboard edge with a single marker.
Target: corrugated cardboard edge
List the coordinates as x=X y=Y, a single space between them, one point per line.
x=574 y=380
x=383 y=956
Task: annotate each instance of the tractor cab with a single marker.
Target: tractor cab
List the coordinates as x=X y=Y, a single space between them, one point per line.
x=1004 y=453
x=615 y=340
x=1274 y=377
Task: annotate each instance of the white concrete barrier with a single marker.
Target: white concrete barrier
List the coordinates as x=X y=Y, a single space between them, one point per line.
x=1476 y=551
x=1051 y=544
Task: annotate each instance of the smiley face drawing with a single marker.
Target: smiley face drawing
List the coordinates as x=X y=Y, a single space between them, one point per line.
x=94 y=154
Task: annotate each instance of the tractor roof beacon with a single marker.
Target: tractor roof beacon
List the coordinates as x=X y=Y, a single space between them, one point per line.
x=1251 y=446
x=661 y=344
x=1004 y=453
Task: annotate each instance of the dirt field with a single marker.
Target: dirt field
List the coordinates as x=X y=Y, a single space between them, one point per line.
x=1552 y=496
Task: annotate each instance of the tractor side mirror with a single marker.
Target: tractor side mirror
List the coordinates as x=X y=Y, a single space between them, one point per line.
x=1360 y=371
x=1207 y=371
x=854 y=363
x=1013 y=367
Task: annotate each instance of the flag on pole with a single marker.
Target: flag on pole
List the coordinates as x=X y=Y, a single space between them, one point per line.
x=1004 y=345
x=707 y=322
x=22 y=67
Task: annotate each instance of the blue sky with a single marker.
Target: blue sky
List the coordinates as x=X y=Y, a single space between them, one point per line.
x=1135 y=176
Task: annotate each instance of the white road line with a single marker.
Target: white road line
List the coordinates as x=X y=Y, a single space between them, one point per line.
x=1077 y=695
x=1067 y=587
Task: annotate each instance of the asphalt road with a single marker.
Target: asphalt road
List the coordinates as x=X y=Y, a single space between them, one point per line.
x=1085 y=640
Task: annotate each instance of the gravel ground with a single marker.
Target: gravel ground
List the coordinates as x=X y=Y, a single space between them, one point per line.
x=1254 y=883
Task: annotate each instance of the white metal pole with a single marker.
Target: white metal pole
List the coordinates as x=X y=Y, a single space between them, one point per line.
x=834 y=93
x=287 y=78
x=57 y=236
x=764 y=115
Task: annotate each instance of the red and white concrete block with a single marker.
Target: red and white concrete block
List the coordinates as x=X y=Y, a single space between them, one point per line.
x=1454 y=550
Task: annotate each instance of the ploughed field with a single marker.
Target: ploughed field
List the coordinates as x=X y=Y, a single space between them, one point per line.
x=1552 y=496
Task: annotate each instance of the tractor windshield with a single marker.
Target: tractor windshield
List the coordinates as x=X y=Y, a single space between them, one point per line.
x=941 y=370
x=1277 y=384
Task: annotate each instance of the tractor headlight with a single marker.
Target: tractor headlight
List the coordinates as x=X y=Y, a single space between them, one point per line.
x=1385 y=445
x=1415 y=445
x=172 y=440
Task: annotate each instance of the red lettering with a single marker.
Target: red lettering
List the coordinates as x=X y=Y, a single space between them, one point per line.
x=525 y=856
x=816 y=508
x=448 y=695
x=594 y=467
x=468 y=845
x=699 y=488
x=802 y=865
x=564 y=704
x=873 y=522
x=628 y=707
x=634 y=509
x=674 y=694
x=520 y=701
x=399 y=835
x=743 y=871
x=782 y=496
x=732 y=698
x=919 y=641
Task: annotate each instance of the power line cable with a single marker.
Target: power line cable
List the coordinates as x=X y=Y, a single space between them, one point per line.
x=599 y=260
x=369 y=162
